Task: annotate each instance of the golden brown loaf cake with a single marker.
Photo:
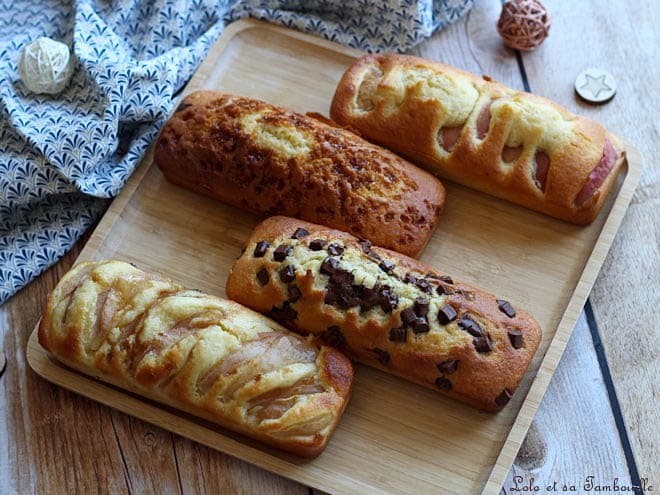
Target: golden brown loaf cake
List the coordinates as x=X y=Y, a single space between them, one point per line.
x=386 y=310
x=208 y=356
x=268 y=160
x=474 y=131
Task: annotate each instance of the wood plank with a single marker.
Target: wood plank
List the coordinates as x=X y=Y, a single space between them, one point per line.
x=573 y=435
x=626 y=303
x=623 y=40
x=147 y=454
x=204 y=470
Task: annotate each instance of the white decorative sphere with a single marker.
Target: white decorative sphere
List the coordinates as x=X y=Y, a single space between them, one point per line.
x=45 y=66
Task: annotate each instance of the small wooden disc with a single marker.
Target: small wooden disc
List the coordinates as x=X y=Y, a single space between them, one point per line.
x=595 y=85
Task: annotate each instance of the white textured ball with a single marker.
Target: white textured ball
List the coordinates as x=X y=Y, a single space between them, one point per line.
x=45 y=66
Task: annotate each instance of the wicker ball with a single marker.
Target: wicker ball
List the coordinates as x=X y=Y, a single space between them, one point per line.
x=523 y=24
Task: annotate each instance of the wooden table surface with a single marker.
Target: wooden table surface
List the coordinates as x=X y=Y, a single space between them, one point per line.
x=599 y=417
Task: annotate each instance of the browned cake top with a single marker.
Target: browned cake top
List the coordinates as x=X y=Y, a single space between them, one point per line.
x=277 y=134
x=269 y=160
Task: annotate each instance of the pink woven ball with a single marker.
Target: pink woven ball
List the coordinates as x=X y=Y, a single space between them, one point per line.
x=523 y=24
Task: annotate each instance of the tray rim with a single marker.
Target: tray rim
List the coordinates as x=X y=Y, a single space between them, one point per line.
x=153 y=413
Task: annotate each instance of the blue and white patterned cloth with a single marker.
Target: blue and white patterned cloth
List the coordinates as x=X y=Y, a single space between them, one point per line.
x=62 y=158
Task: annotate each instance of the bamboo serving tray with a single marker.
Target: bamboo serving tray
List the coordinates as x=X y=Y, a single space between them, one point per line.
x=395 y=437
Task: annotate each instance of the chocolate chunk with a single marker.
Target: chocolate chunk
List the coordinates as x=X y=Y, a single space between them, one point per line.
x=260 y=249
x=444 y=278
x=424 y=285
x=420 y=325
x=408 y=316
x=294 y=293
x=443 y=383
x=300 y=233
x=409 y=278
x=341 y=291
x=516 y=338
x=470 y=326
x=282 y=252
x=347 y=297
x=369 y=298
x=446 y=314
x=449 y=366
x=483 y=344
x=331 y=297
x=284 y=314
x=342 y=277
x=506 y=308
x=443 y=289
x=335 y=249
x=387 y=266
x=329 y=265
x=287 y=274
x=382 y=356
x=365 y=245
x=387 y=300
x=334 y=337
x=504 y=398
x=421 y=306
x=318 y=244
x=262 y=276
x=398 y=334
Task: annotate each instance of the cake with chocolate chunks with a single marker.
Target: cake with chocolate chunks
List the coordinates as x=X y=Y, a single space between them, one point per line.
x=386 y=310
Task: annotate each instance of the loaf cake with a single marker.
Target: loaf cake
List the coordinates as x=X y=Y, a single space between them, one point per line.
x=386 y=310
x=210 y=357
x=474 y=131
x=268 y=160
